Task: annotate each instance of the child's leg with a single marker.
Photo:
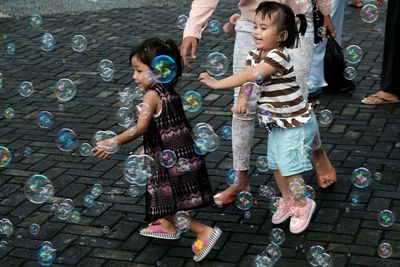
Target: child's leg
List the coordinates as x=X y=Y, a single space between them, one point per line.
x=283 y=182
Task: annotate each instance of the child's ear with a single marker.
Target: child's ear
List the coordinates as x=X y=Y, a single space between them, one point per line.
x=283 y=36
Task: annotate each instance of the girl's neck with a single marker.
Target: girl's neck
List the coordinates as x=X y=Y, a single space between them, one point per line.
x=264 y=52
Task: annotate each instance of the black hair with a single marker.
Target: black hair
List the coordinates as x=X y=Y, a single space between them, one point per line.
x=153 y=47
x=284 y=18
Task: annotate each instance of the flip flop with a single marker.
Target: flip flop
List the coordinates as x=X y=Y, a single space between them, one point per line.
x=223 y=198
x=154 y=230
x=381 y=100
x=202 y=248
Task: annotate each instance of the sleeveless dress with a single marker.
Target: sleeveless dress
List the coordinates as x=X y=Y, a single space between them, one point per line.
x=171 y=189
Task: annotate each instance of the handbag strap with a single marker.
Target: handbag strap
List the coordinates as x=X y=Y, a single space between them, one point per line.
x=318 y=19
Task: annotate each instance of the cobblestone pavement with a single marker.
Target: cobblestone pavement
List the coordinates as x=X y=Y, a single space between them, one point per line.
x=359 y=136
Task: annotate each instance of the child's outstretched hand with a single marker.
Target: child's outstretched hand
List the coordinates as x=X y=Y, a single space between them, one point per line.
x=100 y=151
x=240 y=108
x=229 y=27
x=207 y=80
x=234 y=18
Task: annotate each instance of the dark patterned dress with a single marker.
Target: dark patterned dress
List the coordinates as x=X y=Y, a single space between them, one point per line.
x=171 y=190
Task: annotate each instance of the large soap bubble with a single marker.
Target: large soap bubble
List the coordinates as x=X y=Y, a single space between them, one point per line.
x=167 y=158
x=192 y=101
x=217 y=64
x=181 y=23
x=66 y=139
x=244 y=200
x=79 y=43
x=106 y=69
x=106 y=140
x=361 y=177
x=6 y=227
x=45 y=119
x=65 y=90
x=214 y=26
x=182 y=221
x=353 y=54
x=36 y=20
x=25 y=89
x=47 y=42
x=5 y=156
x=38 y=189
x=125 y=117
x=369 y=13
x=46 y=254
x=138 y=169
x=164 y=69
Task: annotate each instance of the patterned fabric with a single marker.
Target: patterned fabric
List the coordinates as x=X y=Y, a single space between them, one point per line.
x=281 y=98
x=171 y=190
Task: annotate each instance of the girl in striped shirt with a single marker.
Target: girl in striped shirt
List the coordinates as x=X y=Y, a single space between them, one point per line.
x=283 y=111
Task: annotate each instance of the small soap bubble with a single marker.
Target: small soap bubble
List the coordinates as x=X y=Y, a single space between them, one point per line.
x=386 y=218
x=350 y=73
x=9 y=113
x=64 y=211
x=385 y=250
x=262 y=164
x=45 y=119
x=378 y=176
x=27 y=152
x=353 y=54
x=106 y=141
x=266 y=191
x=106 y=230
x=6 y=227
x=85 y=149
x=273 y=251
x=369 y=13
x=309 y=192
x=347 y=209
x=183 y=165
x=125 y=117
x=321 y=31
x=36 y=20
x=5 y=156
x=105 y=68
x=65 y=90
x=34 y=229
x=1 y=80
x=354 y=199
x=167 y=158
x=25 y=89
x=38 y=189
x=182 y=221
x=46 y=254
x=88 y=200
x=79 y=43
x=232 y=177
x=214 y=26
x=311 y=84
x=192 y=101
x=138 y=169
x=274 y=203
x=66 y=139
x=277 y=236
x=314 y=255
x=182 y=20
x=75 y=216
x=11 y=48
x=96 y=190
x=247 y=214
x=133 y=190
x=244 y=200
x=60 y=107
x=217 y=64
x=47 y=42
x=164 y=69
x=3 y=244
x=361 y=177
x=263 y=261
x=325 y=117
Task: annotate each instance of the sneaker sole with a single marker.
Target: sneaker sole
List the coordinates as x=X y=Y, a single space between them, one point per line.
x=308 y=220
x=282 y=219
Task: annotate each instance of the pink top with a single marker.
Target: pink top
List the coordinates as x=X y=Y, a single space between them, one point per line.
x=202 y=9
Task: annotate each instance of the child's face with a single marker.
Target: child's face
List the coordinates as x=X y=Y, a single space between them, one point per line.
x=265 y=33
x=141 y=74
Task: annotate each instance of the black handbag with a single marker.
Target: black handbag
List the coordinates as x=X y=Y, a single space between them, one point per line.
x=334 y=66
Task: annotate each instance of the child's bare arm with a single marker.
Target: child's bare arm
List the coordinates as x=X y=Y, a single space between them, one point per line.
x=229 y=27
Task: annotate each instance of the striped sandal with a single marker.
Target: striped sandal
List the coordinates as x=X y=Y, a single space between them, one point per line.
x=202 y=248
x=154 y=230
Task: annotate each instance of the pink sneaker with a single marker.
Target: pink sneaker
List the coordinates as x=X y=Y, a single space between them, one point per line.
x=301 y=217
x=283 y=212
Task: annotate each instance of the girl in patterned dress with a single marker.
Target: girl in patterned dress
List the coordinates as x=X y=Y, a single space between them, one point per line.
x=166 y=128
x=283 y=110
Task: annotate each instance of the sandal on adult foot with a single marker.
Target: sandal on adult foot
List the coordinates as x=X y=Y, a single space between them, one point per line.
x=154 y=230
x=224 y=198
x=378 y=100
x=202 y=248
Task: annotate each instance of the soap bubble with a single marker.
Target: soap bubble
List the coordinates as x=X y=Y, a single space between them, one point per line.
x=182 y=20
x=164 y=69
x=66 y=139
x=125 y=117
x=277 y=236
x=143 y=110
x=1 y=80
x=314 y=255
x=265 y=111
x=47 y=42
x=34 y=229
x=183 y=165
x=65 y=90
x=45 y=119
x=64 y=211
x=192 y=101
x=325 y=117
x=214 y=26
x=106 y=230
x=75 y=216
x=167 y=158
x=106 y=141
x=273 y=251
x=361 y=177
x=128 y=94
x=88 y=200
x=133 y=190
x=369 y=13
x=205 y=139
x=85 y=149
x=263 y=261
x=46 y=255
x=3 y=244
x=36 y=20
x=139 y=169
x=5 y=156
x=386 y=218
x=25 y=89
x=38 y=189
x=227 y=132
x=262 y=164
x=350 y=73
x=355 y=199
x=96 y=190
x=244 y=200
x=296 y=189
x=321 y=31
x=286 y=110
x=311 y=84
x=250 y=90
x=6 y=227
x=385 y=250
x=353 y=54
x=79 y=43
x=27 y=152
x=266 y=191
x=258 y=75
x=9 y=113
x=105 y=68
x=182 y=221
x=232 y=177
x=274 y=203
x=11 y=48
x=217 y=64
x=309 y=192
x=378 y=176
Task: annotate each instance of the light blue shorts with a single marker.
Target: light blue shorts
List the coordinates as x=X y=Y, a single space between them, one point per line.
x=289 y=150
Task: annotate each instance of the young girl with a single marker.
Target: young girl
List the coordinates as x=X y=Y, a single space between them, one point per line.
x=167 y=128
x=289 y=132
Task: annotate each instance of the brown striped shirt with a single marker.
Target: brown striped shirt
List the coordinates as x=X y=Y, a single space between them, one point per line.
x=280 y=99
